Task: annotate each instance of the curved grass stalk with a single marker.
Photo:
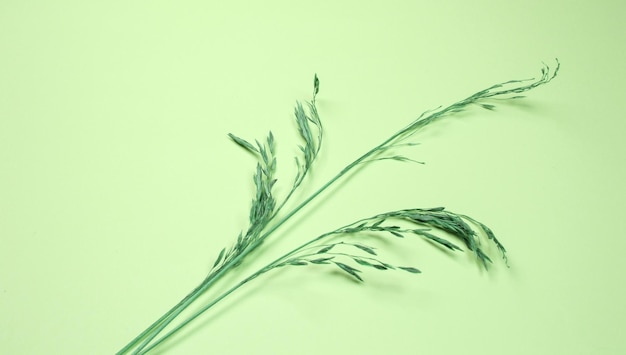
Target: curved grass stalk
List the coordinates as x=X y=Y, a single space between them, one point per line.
x=325 y=254
x=264 y=210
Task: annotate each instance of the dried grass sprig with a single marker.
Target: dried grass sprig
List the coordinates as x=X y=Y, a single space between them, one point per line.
x=338 y=247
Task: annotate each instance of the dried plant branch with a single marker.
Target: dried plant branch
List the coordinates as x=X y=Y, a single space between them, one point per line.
x=337 y=248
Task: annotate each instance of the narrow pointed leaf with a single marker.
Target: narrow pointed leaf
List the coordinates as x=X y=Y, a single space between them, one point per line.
x=321 y=260
x=396 y=234
x=410 y=269
x=316 y=85
x=243 y=143
x=219 y=257
x=365 y=249
x=350 y=270
x=378 y=223
x=363 y=262
x=325 y=249
x=439 y=240
x=298 y=262
x=435 y=209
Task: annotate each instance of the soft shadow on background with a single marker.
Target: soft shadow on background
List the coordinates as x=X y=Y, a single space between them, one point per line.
x=119 y=186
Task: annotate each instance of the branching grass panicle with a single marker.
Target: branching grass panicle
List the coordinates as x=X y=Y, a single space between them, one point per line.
x=339 y=248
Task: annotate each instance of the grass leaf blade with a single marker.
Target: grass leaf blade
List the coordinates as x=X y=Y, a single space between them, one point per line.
x=244 y=143
x=350 y=270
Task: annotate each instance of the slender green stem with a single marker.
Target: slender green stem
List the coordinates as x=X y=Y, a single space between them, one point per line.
x=258 y=273
x=189 y=299
x=165 y=316
x=198 y=313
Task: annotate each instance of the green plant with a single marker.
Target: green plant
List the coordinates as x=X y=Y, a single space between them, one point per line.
x=337 y=248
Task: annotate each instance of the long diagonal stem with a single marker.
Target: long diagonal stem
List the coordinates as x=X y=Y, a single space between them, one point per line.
x=258 y=273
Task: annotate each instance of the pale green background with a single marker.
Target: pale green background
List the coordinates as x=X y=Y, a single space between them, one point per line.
x=118 y=185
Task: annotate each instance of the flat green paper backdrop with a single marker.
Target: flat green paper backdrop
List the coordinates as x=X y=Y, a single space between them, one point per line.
x=119 y=185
